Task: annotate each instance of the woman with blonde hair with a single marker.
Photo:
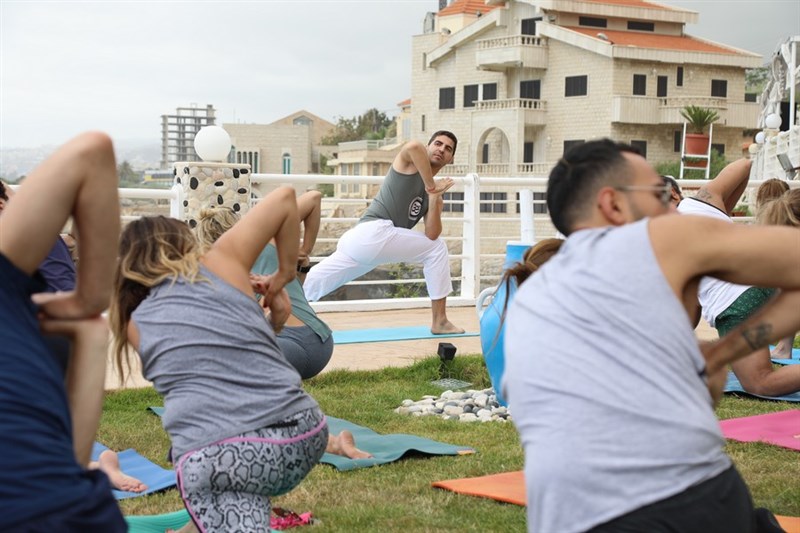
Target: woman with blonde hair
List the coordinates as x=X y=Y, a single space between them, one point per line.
x=769 y=190
x=241 y=426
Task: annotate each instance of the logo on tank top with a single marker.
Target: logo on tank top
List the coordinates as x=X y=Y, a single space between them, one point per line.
x=415 y=208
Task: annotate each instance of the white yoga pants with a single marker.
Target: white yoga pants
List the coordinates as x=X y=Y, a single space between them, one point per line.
x=374 y=243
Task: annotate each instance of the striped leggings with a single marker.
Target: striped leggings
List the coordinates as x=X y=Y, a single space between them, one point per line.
x=226 y=486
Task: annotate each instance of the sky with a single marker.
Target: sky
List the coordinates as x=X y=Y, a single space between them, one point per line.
x=117 y=66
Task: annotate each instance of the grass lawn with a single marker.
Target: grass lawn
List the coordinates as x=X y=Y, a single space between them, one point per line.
x=398 y=497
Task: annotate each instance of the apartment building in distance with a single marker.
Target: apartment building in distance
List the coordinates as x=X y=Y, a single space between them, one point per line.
x=520 y=83
x=178 y=132
x=290 y=145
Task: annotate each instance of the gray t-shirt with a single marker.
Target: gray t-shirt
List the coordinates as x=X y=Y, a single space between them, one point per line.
x=606 y=382
x=212 y=355
x=401 y=199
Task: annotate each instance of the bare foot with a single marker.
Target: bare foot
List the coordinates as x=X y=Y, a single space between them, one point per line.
x=108 y=462
x=445 y=328
x=344 y=444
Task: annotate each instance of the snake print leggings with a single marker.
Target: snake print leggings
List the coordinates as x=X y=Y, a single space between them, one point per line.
x=226 y=486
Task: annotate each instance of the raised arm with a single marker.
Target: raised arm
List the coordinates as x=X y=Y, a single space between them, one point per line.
x=234 y=253
x=724 y=191
x=309 y=210
x=433 y=218
x=79 y=179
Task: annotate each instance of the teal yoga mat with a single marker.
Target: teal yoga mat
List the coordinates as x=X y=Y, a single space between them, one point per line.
x=159 y=523
x=385 y=448
x=353 y=336
x=133 y=464
x=733 y=385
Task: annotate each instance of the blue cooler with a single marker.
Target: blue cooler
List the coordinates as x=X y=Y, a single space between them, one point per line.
x=492 y=332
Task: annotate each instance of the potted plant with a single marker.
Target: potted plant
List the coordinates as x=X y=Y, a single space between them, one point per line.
x=698 y=119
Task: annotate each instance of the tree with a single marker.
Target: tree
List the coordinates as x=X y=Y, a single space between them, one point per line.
x=371 y=125
x=127 y=176
x=755 y=79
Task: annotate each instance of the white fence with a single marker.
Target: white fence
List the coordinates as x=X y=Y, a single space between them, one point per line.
x=482 y=215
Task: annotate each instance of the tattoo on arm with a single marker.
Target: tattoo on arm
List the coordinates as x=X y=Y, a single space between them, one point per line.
x=757 y=336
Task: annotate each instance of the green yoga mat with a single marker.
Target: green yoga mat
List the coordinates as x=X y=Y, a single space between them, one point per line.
x=385 y=448
x=353 y=336
x=158 y=523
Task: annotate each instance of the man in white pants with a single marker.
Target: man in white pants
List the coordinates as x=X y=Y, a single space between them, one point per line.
x=385 y=235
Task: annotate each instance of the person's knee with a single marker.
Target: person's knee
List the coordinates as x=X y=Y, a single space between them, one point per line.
x=757 y=382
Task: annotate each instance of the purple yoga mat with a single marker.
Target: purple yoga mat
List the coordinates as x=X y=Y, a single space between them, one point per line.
x=780 y=429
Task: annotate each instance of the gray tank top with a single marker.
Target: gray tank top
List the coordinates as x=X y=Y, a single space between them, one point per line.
x=604 y=377
x=267 y=263
x=401 y=199
x=212 y=355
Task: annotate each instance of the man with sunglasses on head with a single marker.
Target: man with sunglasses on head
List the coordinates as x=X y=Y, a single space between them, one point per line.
x=612 y=395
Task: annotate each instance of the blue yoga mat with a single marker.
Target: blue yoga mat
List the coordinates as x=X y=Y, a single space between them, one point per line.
x=733 y=385
x=384 y=448
x=352 y=336
x=133 y=464
x=795 y=359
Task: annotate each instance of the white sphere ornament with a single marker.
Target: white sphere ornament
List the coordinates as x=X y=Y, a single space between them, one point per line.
x=773 y=121
x=212 y=143
x=760 y=137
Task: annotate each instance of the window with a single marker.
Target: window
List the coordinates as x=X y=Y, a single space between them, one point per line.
x=530 y=89
x=676 y=141
x=641 y=26
x=447 y=98
x=493 y=202
x=489 y=91
x=661 y=86
x=527 y=153
x=356 y=169
x=719 y=148
x=594 y=22
x=575 y=85
x=750 y=97
x=255 y=163
x=639 y=84
x=641 y=146
x=485 y=154
x=539 y=203
x=287 y=163
x=457 y=207
x=679 y=77
x=719 y=88
x=570 y=144
x=302 y=121
x=422 y=128
x=376 y=169
x=529 y=26
x=470 y=95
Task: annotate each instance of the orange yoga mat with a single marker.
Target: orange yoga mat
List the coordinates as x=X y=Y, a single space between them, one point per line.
x=509 y=487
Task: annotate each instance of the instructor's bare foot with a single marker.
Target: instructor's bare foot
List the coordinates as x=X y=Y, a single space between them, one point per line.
x=445 y=328
x=344 y=444
x=108 y=462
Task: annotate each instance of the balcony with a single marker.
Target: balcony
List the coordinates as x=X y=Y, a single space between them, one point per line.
x=535 y=111
x=515 y=51
x=654 y=110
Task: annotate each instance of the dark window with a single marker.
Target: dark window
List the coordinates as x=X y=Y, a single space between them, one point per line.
x=489 y=91
x=470 y=95
x=661 y=87
x=639 y=84
x=719 y=88
x=447 y=98
x=527 y=153
x=493 y=202
x=423 y=123
x=575 y=85
x=641 y=146
x=453 y=197
x=750 y=97
x=529 y=26
x=485 y=154
x=539 y=203
x=570 y=144
x=594 y=22
x=679 y=77
x=719 y=148
x=641 y=26
x=676 y=141
x=530 y=89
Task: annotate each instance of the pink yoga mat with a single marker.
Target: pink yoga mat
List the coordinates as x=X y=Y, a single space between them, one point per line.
x=781 y=429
